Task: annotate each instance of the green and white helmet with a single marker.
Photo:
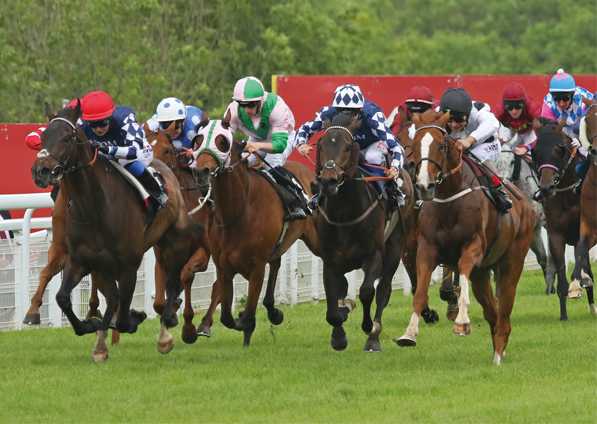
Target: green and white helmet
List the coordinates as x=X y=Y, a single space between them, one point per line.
x=248 y=89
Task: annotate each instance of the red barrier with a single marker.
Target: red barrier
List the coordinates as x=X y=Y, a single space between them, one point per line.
x=305 y=95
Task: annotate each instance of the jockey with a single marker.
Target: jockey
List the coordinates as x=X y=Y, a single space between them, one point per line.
x=179 y=121
x=516 y=113
x=473 y=127
x=418 y=100
x=374 y=137
x=114 y=131
x=269 y=123
x=565 y=98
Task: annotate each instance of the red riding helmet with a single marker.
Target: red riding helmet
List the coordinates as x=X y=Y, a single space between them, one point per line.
x=514 y=91
x=419 y=94
x=73 y=103
x=96 y=105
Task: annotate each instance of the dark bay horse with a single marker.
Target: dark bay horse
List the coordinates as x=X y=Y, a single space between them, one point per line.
x=248 y=224
x=556 y=159
x=588 y=205
x=106 y=231
x=352 y=233
x=461 y=229
x=198 y=254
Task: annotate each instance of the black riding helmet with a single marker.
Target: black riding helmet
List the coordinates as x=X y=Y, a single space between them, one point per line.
x=457 y=101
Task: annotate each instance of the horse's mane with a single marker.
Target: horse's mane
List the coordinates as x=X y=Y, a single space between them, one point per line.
x=342 y=120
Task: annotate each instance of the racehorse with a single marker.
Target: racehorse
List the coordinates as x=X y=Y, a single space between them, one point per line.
x=198 y=254
x=588 y=205
x=352 y=232
x=522 y=173
x=556 y=159
x=458 y=227
x=106 y=230
x=57 y=254
x=249 y=230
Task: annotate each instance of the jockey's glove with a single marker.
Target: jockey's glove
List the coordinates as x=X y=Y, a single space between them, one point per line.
x=102 y=147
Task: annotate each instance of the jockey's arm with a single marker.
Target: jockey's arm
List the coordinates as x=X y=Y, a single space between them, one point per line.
x=383 y=133
x=306 y=131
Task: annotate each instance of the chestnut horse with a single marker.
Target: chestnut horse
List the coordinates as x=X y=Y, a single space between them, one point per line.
x=582 y=274
x=352 y=233
x=106 y=230
x=556 y=159
x=461 y=229
x=198 y=254
x=248 y=224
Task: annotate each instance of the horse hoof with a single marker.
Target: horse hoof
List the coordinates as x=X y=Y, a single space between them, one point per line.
x=497 y=359
x=586 y=282
x=430 y=316
x=592 y=309
x=97 y=322
x=166 y=347
x=204 y=331
x=190 y=338
x=463 y=329
x=32 y=319
x=452 y=312
x=276 y=319
x=372 y=346
x=406 y=341
x=100 y=356
x=340 y=343
x=574 y=291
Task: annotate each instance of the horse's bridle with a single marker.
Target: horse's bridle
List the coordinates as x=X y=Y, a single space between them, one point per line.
x=331 y=164
x=440 y=177
x=62 y=169
x=566 y=162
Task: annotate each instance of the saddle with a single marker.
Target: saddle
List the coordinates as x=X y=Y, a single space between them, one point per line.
x=285 y=183
x=484 y=178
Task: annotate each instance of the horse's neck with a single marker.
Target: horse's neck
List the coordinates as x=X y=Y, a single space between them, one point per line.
x=456 y=182
x=354 y=196
x=230 y=191
x=86 y=190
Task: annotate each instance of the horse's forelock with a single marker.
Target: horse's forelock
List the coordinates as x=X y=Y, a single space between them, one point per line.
x=429 y=117
x=342 y=120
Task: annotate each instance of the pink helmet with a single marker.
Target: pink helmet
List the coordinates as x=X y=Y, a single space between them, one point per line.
x=248 y=89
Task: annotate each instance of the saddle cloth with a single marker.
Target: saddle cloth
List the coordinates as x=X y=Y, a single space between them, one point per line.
x=136 y=184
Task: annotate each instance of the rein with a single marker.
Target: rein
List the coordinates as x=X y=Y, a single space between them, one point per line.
x=440 y=177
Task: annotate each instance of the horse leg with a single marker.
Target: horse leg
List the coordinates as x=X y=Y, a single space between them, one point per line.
x=207 y=321
x=275 y=315
x=557 y=247
x=98 y=284
x=581 y=276
x=336 y=287
x=73 y=273
x=372 y=267
x=426 y=262
x=409 y=259
x=538 y=249
x=483 y=292
x=161 y=275
x=448 y=294
x=110 y=291
x=246 y=322
x=225 y=285
x=470 y=255
x=128 y=320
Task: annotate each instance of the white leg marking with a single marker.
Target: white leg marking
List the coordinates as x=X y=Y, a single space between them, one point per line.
x=413 y=326
x=165 y=340
x=592 y=309
x=375 y=284
x=463 y=302
x=423 y=177
x=584 y=275
x=496 y=359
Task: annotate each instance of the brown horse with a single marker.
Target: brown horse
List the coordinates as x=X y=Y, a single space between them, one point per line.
x=353 y=233
x=582 y=274
x=198 y=255
x=106 y=230
x=249 y=230
x=459 y=227
x=556 y=159
x=57 y=254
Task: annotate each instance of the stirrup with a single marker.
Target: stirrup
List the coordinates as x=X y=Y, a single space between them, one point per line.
x=577 y=189
x=538 y=196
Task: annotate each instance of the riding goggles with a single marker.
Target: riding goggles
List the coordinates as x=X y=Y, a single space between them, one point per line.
x=418 y=107
x=561 y=97
x=166 y=124
x=249 y=105
x=351 y=111
x=100 y=124
x=459 y=119
x=514 y=105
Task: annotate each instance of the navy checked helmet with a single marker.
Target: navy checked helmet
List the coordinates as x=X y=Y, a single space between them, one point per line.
x=348 y=96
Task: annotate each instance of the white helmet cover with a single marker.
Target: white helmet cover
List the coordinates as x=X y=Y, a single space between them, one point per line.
x=171 y=109
x=348 y=96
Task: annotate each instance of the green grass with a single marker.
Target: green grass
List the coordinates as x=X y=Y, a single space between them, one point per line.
x=291 y=374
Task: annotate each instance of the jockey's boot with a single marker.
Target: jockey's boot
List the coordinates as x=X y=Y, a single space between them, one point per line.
x=292 y=206
x=395 y=197
x=501 y=198
x=314 y=200
x=577 y=189
x=154 y=189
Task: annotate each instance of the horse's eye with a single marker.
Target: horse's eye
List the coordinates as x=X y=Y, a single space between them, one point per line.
x=348 y=149
x=66 y=139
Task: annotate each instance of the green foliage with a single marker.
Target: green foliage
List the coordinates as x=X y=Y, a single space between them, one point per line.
x=290 y=373
x=140 y=51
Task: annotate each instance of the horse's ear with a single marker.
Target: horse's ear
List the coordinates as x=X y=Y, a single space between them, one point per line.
x=561 y=124
x=444 y=119
x=537 y=124
x=317 y=161
x=327 y=123
x=75 y=113
x=226 y=120
x=353 y=164
x=353 y=127
x=49 y=112
x=416 y=118
x=403 y=117
x=588 y=102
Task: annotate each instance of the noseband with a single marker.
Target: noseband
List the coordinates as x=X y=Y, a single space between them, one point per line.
x=331 y=164
x=440 y=177
x=62 y=169
x=561 y=170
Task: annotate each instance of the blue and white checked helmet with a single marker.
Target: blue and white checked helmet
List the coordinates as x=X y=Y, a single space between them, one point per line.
x=348 y=96
x=170 y=109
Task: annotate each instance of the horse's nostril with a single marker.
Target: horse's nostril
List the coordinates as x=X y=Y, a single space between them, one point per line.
x=44 y=172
